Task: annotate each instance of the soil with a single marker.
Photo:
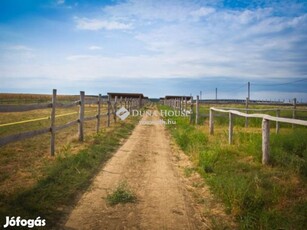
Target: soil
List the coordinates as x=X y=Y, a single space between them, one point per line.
x=154 y=169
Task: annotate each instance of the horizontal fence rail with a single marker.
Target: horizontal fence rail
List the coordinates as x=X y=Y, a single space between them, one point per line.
x=263 y=110
x=23 y=108
x=181 y=103
x=22 y=136
x=264 y=116
x=265 y=126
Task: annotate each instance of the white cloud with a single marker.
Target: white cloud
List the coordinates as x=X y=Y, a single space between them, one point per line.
x=17 y=52
x=22 y=48
x=203 y=11
x=80 y=57
x=94 y=47
x=96 y=24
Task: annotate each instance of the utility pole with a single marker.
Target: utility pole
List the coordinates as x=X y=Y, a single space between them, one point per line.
x=247 y=101
x=200 y=95
x=215 y=93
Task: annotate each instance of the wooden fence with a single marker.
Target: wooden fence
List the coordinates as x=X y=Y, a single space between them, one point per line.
x=112 y=104
x=182 y=104
x=265 y=126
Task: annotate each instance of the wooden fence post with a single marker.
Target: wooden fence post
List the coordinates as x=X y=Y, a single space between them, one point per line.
x=265 y=141
x=211 y=122
x=197 y=110
x=140 y=102
x=246 y=106
x=129 y=104
x=294 y=110
x=98 y=113
x=109 y=111
x=115 y=108
x=185 y=104
x=81 y=116
x=191 y=108
x=230 y=131
x=52 y=123
x=277 y=123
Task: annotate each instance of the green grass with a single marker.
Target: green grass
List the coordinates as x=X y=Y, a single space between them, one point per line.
x=122 y=194
x=188 y=171
x=258 y=196
x=65 y=178
x=222 y=118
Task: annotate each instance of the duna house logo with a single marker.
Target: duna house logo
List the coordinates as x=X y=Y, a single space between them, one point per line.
x=122 y=113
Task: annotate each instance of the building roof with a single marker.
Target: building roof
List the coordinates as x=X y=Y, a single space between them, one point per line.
x=177 y=97
x=127 y=95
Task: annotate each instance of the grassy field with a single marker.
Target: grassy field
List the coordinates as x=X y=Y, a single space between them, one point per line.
x=258 y=196
x=22 y=163
x=17 y=98
x=32 y=183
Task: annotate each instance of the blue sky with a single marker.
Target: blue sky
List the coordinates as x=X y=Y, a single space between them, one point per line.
x=156 y=47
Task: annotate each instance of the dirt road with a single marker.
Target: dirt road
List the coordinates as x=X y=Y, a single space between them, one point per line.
x=152 y=167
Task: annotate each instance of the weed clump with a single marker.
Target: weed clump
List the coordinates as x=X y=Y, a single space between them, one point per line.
x=122 y=194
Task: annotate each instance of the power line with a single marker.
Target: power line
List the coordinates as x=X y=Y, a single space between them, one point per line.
x=286 y=83
x=233 y=89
